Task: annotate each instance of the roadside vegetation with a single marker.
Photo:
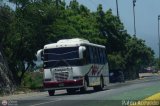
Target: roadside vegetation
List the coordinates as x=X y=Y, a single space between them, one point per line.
x=34 y=23
x=33 y=80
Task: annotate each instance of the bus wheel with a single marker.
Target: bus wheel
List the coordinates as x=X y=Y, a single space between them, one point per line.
x=51 y=92
x=99 y=87
x=95 y=88
x=84 y=88
x=71 y=90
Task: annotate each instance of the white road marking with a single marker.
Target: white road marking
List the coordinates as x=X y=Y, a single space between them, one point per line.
x=44 y=103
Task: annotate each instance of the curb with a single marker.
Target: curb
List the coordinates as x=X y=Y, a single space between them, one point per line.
x=153 y=100
x=154 y=97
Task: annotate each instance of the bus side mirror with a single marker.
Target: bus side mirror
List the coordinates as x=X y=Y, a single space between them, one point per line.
x=81 y=50
x=40 y=55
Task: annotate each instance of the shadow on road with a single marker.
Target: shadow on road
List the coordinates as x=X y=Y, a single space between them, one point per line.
x=81 y=93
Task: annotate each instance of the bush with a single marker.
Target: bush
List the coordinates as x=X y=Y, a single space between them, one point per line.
x=33 y=80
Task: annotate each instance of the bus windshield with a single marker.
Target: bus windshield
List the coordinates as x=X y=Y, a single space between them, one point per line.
x=64 y=53
x=66 y=56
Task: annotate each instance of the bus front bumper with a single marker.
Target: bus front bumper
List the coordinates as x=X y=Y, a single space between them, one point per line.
x=54 y=85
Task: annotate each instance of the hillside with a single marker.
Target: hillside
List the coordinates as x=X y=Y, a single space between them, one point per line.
x=6 y=77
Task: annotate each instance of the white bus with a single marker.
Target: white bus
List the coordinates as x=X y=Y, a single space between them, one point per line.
x=74 y=64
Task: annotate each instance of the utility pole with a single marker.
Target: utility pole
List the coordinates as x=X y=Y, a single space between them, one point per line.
x=117 y=8
x=158 y=36
x=134 y=1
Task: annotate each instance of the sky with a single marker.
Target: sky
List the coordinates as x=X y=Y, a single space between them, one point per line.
x=146 y=13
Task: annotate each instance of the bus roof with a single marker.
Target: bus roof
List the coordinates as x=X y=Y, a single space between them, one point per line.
x=71 y=43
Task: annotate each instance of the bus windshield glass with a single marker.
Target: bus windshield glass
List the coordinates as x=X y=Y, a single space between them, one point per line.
x=65 y=56
x=64 y=53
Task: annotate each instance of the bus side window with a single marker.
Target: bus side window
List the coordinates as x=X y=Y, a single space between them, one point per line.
x=85 y=58
x=91 y=54
x=94 y=55
x=98 y=55
x=104 y=56
x=105 y=52
x=101 y=56
x=88 y=54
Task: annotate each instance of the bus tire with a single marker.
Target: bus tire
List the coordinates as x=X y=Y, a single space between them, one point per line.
x=99 y=87
x=95 y=88
x=84 y=88
x=71 y=90
x=51 y=92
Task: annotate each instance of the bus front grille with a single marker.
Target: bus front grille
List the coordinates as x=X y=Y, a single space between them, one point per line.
x=61 y=76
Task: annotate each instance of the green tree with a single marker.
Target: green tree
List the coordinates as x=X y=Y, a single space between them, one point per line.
x=138 y=55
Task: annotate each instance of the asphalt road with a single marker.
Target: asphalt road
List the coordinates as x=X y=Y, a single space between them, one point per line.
x=113 y=95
